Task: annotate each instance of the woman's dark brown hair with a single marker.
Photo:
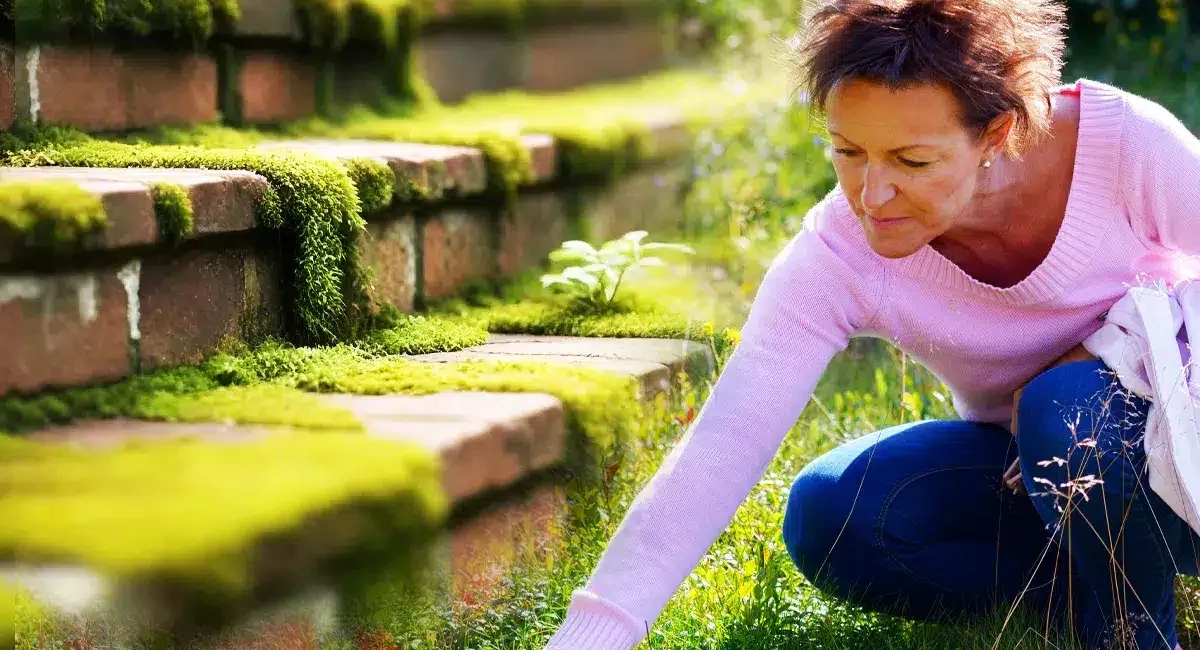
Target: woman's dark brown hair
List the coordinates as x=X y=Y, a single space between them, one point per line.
x=994 y=55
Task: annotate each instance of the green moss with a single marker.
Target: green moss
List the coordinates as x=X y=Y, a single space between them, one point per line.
x=173 y=210
x=162 y=510
x=602 y=407
x=407 y=334
x=262 y=404
x=49 y=215
x=551 y=317
x=312 y=199
x=374 y=182
x=192 y=21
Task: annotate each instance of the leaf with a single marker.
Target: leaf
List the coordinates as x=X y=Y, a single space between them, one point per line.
x=650 y=261
x=578 y=245
x=617 y=260
x=682 y=248
x=635 y=236
x=553 y=279
x=571 y=256
x=577 y=274
x=615 y=246
x=611 y=275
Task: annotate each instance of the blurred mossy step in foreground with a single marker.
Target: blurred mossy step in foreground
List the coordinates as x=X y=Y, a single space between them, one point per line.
x=196 y=526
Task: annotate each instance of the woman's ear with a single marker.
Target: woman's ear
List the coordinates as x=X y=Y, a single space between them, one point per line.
x=996 y=137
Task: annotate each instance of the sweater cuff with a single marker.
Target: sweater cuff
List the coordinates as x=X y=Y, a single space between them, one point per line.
x=593 y=623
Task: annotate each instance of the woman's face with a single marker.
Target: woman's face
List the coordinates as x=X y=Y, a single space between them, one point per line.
x=903 y=160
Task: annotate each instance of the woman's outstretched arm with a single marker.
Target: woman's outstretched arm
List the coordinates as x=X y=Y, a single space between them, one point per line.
x=820 y=290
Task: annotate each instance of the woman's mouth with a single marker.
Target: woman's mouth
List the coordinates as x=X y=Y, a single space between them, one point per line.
x=887 y=223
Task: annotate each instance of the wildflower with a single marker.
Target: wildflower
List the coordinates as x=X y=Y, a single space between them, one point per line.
x=733 y=335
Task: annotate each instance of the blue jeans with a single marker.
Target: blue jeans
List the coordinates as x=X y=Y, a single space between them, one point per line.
x=915 y=520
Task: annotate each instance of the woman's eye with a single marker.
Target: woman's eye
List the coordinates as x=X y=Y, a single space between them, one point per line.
x=914 y=163
x=845 y=152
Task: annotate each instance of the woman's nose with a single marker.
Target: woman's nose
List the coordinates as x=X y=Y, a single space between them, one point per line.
x=877 y=190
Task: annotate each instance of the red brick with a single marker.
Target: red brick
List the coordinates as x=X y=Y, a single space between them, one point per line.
x=458 y=247
x=191 y=300
x=490 y=544
x=389 y=250
x=544 y=155
x=97 y=89
x=63 y=330
x=276 y=87
x=170 y=89
x=80 y=87
x=536 y=226
x=7 y=107
x=458 y=64
x=560 y=58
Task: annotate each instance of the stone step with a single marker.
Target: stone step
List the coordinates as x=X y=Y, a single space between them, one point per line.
x=128 y=302
x=222 y=201
x=485 y=443
x=654 y=362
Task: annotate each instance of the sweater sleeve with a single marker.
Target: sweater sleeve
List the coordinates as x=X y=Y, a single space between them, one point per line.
x=818 y=292
x=1160 y=176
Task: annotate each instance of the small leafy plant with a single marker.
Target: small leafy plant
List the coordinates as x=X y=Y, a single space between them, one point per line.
x=594 y=275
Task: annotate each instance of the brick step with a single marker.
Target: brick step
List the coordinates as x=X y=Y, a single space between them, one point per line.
x=266 y=73
x=127 y=302
x=486 y=444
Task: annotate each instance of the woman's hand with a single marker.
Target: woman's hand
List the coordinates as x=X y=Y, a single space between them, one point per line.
x=1012 y=477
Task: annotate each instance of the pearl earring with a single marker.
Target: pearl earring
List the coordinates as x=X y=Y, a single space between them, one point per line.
x=987 y=164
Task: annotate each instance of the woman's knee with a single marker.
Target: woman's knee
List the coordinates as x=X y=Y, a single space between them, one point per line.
x=816 y=513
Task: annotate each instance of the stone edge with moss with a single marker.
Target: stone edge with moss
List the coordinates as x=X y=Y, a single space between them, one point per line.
x=54 y=216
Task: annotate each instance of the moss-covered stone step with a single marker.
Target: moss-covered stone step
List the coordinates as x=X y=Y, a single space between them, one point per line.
x=484 y=443
x=131 y=298
x=192 y=532
x=653 y=362
x=144 y=207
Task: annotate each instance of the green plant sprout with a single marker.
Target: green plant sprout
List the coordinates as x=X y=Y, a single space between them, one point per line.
x=595 y=275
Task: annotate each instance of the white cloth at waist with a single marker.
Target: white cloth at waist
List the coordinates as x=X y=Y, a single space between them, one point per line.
x=1145 y=342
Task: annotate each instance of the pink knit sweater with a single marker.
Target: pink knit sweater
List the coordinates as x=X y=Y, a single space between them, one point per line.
x=1134 y=207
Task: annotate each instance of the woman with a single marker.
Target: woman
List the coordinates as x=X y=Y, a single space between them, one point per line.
x=985 y=219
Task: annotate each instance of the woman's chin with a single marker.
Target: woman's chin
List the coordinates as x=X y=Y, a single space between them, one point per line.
x=893 y=249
